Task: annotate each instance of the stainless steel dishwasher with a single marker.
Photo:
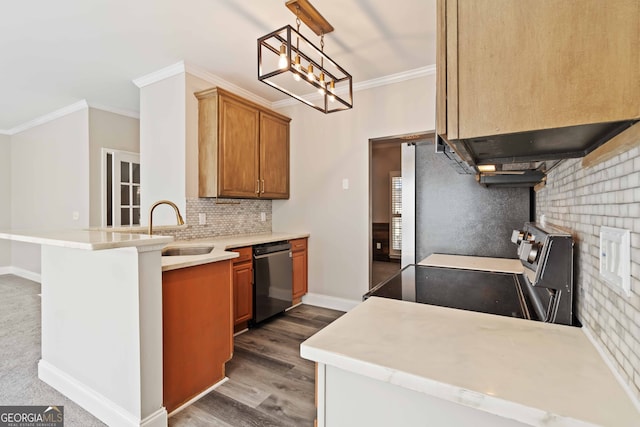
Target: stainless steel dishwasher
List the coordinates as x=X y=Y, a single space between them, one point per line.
x=273 y=276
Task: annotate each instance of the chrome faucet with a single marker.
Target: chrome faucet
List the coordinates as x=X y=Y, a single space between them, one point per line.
x=164 y=202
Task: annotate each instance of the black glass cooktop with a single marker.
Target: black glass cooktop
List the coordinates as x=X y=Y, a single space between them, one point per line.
x=482 y=291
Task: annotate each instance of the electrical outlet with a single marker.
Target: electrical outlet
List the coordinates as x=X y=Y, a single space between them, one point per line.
x=202 y=218
x=75 y=215
x=378 y=245
x=263 y=216
x=345 y=184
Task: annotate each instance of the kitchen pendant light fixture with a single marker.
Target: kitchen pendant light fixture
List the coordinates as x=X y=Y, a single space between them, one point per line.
x=289 y=62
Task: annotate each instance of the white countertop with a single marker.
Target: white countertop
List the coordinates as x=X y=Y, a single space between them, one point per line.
x=84 y=239
x=500 y=265
x=536 y=373
x=221 y=244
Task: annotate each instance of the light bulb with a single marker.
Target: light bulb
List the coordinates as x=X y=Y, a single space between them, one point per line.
x=310 y=75
x=332 y=90
x=282 y=62
x=321 y=81
x=296 y=65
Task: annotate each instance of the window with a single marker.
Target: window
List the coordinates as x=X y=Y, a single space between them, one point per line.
x=396 y=215
x=121 y=188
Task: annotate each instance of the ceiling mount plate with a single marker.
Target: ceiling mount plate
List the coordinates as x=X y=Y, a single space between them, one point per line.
x=310 y=16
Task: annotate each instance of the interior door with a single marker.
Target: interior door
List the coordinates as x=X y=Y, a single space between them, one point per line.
x=121 y=188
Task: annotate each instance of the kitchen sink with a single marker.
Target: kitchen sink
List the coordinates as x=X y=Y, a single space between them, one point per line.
x=187 y=250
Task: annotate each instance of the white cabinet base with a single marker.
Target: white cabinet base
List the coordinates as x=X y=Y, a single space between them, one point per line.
x=349 y=400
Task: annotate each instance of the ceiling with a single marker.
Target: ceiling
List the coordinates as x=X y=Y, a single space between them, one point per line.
x=55 y=53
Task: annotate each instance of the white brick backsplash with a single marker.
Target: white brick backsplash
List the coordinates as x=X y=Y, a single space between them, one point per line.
x=583 y=200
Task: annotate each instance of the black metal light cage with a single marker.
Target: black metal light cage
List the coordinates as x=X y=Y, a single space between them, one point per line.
x=269 y=51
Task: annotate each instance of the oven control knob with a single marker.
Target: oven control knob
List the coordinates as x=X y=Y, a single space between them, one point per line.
x=529 y=251
x=517 y=236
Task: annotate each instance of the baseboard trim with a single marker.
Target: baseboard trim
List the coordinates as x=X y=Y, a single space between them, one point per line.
x=328 y=301
x=95 y=403
x=207 y=391
x=21 y=272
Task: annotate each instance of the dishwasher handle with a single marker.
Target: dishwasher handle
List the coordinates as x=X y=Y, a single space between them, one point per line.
x=271 y=254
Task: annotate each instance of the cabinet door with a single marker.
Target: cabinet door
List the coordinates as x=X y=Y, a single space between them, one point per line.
x=299 y=260
x=519 y=65
x=242 y=292
x=238 y=149
x=196 y=330
x=274 y=157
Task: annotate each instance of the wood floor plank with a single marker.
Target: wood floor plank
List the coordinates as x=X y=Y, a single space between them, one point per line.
x=242 y=356
x=197 y=417
x=235 y=413
x=297 y=413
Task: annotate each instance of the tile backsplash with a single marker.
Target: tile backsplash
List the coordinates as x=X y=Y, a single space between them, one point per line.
x=582 y=200
x=223 y=217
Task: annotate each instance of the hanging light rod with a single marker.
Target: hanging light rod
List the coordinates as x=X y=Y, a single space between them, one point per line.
x=310 y=16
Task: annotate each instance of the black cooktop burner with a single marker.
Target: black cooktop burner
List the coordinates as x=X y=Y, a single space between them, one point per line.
x=482 y=291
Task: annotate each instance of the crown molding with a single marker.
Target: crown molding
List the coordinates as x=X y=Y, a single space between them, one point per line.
x=4 y=132
x=219 y=81
x=64 y=111
x=183 y=67
x=114 y=110
x=369 y=84
x=395 y=78
x=159 y=75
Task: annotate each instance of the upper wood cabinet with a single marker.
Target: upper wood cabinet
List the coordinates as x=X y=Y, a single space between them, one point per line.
x=243 y=148
x=507 y=66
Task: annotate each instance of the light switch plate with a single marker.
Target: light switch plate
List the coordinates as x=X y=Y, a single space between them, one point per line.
x=345 y=184
x=615 y=257
x=202 y=219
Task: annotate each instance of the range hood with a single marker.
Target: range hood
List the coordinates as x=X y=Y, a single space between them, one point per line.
x=525 y=178
x=537 y=145
x=520 y=174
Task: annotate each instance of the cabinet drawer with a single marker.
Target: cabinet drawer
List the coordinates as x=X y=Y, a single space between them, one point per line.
x=298 y=244
x=245 y=254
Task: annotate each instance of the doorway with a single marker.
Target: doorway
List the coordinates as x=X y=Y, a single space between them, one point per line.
x=392 y=204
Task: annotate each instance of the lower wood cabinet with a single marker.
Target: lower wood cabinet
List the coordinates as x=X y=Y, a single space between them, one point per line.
x=243 y=285
x=197 y=330
x=299 y=257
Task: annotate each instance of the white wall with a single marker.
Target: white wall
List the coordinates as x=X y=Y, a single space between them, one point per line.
x=162 y=148
x=107 y=130
x=5 y=198
x=49 y=181
x=324 y=150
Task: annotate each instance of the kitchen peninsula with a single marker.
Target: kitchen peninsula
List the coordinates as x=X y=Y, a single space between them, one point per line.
x=389 y=362
x=101 y=311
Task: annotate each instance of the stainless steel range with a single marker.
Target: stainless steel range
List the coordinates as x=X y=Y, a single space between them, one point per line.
x=544 y=292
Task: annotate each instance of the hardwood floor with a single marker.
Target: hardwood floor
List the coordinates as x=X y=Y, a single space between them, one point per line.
x=269 y=383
